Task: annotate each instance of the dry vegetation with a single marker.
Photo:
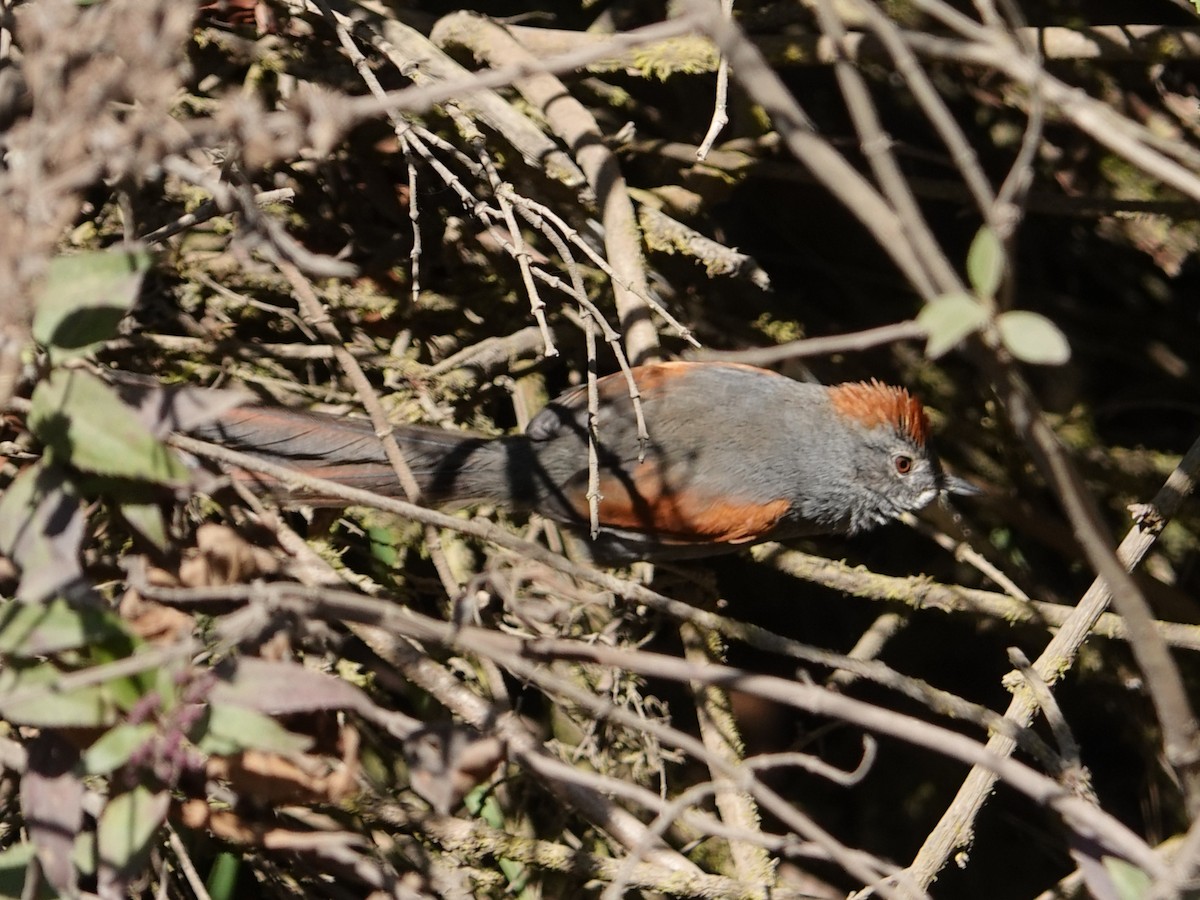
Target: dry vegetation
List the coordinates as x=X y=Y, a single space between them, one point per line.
x=418 y=213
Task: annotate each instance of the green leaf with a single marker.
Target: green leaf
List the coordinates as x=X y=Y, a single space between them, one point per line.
x=85 y=296
x=114 y=748
x=128 y=824
x=1033 y=338
x=28 y=697
x=231 y=729
x=39 y=629
x=42 y=524
x=128 y=691
x=84 y=856
x=84 y=423
x=1130 y=881
x=948 y=319
x=147 y=519
x=222 y=877
x=17 y=856
x=985 y=262
x=15 y=860
x=482 y=802
x=384 y=545
x=14 y=864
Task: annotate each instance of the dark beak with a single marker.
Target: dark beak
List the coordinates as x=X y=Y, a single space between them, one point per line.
x=952 y=484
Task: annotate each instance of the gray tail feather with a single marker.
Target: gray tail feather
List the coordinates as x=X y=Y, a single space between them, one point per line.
x=450 y=467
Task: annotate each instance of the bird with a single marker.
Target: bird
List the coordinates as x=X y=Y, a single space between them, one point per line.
x=735 y=455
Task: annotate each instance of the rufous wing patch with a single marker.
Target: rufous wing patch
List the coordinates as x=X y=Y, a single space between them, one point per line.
x=646 y=503
x=873 y=403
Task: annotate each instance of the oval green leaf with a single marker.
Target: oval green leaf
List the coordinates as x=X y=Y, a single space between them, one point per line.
x=948 y=319
x=84 y=297
x=1130 y=882
x=222 y=877
x=42 y=524
x=29 y=697
x=84 y=423
x=1033 y=338
x=230 y=729
x=128 y=824
x=40 y=629
x=14 y=867
x=985 y=262
x=148 y=520
x=114 y=748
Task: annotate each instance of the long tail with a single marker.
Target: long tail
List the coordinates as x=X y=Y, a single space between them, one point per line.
x=449 y=467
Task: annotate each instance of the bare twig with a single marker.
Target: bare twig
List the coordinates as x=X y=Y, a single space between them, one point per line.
x=920 y=593
x=819 y=346
x=876 y=146
x=719 y=732
x=1121 y=135
x=932 y=104
x=210 y=209
x=542 y=211
x=720 y=116
x=1124 y=42
x=536 y=305
x=1181 y=732
x=870 y=644
x=801 y=138
x=1068 y=748
x=573 y=123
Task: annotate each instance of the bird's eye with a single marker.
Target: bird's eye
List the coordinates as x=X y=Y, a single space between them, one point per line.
x=903 y=464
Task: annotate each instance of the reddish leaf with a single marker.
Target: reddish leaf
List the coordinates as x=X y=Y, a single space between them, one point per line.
x=280 y=688
x=52 y=802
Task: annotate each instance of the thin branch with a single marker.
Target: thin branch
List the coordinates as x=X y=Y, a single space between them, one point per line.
x=1068 y=747
x=932 y=104
x=720 y=116
x=920 y=593
x=576 y=126
x=719 y=732
x=819 y=346
x=876 y=146
x=210 y=209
